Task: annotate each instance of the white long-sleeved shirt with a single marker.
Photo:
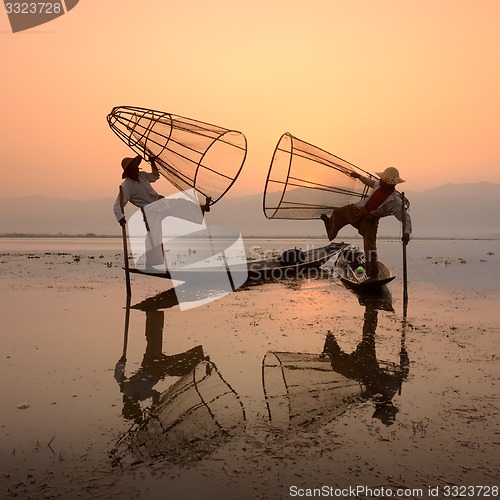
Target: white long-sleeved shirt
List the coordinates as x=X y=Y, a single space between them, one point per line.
x=139 y=193
x=393 y=205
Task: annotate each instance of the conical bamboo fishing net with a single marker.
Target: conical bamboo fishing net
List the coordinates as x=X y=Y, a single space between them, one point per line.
x=189 y=153
x=305 y=181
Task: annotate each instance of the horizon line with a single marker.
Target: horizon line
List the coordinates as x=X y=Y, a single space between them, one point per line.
x=270 y=236
x=230 y=194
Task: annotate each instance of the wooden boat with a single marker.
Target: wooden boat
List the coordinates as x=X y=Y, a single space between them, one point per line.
x=352 y=272
x=291 y=264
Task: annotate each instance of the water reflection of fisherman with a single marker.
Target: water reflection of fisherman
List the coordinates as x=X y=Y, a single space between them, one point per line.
x=155 y=366
x=382 y=380
x=137 y=189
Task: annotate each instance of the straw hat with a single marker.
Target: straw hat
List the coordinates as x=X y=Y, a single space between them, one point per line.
x=128 y=163
x=390 y=176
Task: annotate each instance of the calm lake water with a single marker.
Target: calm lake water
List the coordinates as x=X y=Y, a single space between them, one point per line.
x=458 y=262
x=79 y=368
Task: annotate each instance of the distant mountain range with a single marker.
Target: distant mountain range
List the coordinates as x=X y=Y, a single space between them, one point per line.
x=450 y=211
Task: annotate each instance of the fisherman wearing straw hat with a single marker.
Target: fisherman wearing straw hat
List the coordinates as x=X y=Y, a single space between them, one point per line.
x=364 y=215
x=137 y=189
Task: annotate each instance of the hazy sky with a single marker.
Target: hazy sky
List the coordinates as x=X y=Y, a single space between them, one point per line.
x=414 y=84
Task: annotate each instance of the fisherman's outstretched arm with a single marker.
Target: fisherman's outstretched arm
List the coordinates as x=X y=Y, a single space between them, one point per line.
x=367 y=181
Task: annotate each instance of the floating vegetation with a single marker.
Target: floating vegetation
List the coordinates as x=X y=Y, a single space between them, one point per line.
x=446 y=261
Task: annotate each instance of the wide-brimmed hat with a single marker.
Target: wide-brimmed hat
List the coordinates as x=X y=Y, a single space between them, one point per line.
x=390 y=176
x=128 y=163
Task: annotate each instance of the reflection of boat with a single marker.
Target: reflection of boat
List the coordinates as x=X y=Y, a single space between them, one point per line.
x=180 y=294
x=162 y=300
x=350 y=268
x=191 y=419
x=291 y=264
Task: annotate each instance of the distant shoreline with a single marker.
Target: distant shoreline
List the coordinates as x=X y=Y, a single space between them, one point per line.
x=58 y=235
x=279 y=237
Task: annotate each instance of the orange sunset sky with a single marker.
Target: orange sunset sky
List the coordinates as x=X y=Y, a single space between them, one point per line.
x=414 y=84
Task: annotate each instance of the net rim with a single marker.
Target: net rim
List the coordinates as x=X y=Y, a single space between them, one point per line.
x=264 y=198
x=218 y=138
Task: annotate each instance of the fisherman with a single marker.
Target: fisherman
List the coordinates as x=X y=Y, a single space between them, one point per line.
x=365 y=214
x=137 y=189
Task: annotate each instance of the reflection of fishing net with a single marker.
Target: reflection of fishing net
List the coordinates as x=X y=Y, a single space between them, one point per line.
x=304 y=181
x=301 y=389
x=190 y=153
x=192 y=418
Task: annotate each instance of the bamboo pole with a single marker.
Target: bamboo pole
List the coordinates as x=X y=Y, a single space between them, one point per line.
x=125 y=251
x=126 y=327
x=405 y=266
x=403 y=354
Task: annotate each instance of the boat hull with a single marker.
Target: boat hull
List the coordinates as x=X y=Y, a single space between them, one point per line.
x=255 y=271
x=347 y=274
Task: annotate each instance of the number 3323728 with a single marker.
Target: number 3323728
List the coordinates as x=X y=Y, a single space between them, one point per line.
x=33 y=8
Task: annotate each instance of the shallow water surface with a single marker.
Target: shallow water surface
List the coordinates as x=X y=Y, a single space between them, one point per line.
x=250 y=394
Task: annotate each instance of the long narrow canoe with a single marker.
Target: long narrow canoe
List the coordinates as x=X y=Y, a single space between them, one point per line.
x=292 y=264
x=304 y=265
